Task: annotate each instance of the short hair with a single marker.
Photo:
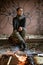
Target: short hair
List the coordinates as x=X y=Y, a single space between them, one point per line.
x=19 y=8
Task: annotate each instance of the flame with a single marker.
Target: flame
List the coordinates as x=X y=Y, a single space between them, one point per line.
x=21 y=58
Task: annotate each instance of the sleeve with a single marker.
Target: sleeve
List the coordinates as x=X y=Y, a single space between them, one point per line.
x=23 y=22
x=14 y=23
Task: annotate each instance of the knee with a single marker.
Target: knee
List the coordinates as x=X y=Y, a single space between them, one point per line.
x=24 y=29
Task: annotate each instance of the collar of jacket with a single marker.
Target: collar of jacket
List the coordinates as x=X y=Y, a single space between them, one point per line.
x=20 y=17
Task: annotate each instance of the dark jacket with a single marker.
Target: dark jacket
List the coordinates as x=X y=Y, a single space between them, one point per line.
x=18 y=21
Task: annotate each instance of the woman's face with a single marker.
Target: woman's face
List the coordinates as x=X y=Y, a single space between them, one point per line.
x=20 y=12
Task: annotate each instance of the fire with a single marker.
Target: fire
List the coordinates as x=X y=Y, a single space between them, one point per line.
x=21 y=58
x=21 y=63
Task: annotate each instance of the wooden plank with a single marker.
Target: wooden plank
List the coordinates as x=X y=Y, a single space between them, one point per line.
x=38 y=60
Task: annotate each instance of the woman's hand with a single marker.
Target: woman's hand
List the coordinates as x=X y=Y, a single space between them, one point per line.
x=20 y=29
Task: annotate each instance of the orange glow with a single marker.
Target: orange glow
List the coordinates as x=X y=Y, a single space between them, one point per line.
x=21 y=58
x=21 y=63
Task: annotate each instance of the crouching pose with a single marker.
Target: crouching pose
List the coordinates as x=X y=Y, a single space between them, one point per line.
x=19 y=27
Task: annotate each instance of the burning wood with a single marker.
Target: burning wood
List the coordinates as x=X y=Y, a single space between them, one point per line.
x=17 y=58
x=21 y=57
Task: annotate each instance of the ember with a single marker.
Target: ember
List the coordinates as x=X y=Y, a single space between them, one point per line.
x=21 y=63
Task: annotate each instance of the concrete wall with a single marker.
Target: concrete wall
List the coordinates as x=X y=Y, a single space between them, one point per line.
x=33 y=10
